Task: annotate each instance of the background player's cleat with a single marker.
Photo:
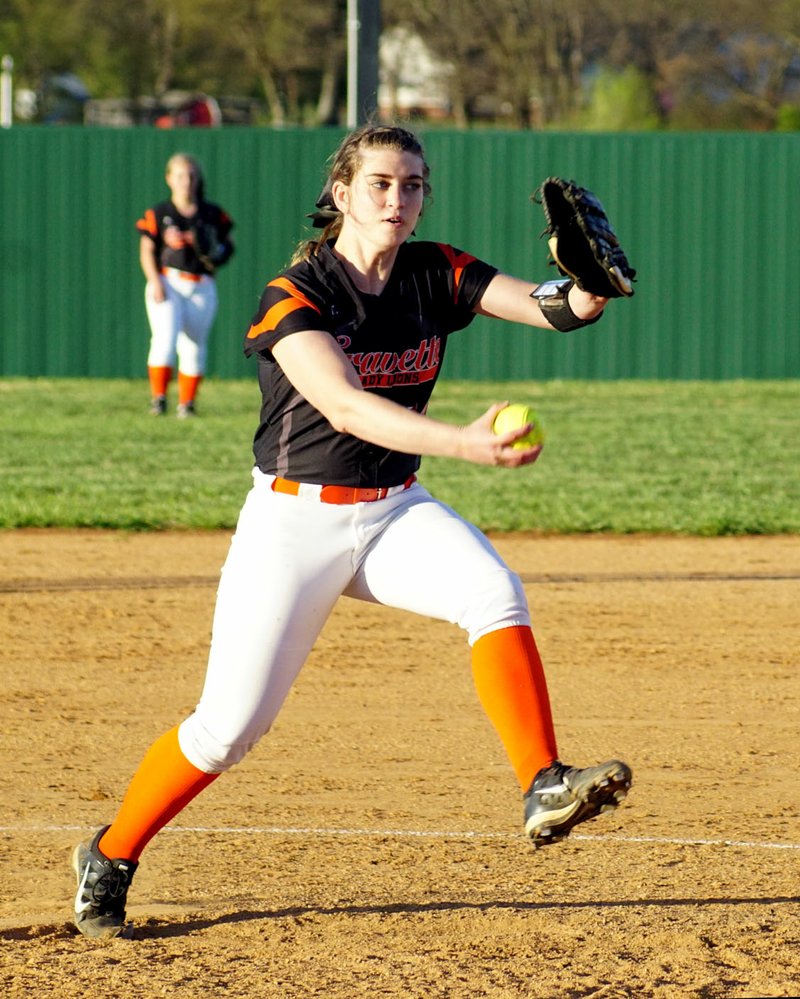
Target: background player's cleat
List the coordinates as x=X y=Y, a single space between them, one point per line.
x=102 y=889
x=560 y=797
x=185 y=410
x=158 y=405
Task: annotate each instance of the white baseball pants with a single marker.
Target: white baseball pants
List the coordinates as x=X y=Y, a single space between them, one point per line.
x=181 y=324
x=290 y=560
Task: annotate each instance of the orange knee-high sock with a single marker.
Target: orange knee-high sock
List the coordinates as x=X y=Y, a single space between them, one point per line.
x=159 y=380
x=511 y=685
x=164 y=784
x=187 y=387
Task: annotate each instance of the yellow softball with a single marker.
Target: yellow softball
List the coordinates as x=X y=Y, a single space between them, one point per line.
x=515 y=416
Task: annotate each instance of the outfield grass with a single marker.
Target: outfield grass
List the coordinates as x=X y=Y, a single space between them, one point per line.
x=700 y=458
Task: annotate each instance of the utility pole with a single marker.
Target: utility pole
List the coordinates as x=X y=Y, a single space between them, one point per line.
x=363 y=34
x=5 y=92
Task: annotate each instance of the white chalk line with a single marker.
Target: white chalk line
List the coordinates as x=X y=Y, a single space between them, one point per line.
x=414 y=834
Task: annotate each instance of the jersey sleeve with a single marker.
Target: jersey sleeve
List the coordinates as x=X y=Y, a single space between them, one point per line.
x=284 y=308
x=216 y=216
x=224 y=223
x=147 y=225
x=212 y=234
x=467 y=279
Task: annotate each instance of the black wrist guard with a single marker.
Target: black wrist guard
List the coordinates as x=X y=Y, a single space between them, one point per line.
x=553 y=301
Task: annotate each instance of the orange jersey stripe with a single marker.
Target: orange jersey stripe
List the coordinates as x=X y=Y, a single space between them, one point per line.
x=280 y=310
x=458 y=261
x=148 y=224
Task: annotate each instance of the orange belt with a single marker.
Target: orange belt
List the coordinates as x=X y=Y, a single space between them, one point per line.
x=185 y=275
x=338 y=494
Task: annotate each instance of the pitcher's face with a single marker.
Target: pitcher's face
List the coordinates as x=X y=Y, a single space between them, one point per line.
x=384 y=201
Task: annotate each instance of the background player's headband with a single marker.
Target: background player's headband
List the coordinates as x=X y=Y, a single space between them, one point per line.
x=326 y=210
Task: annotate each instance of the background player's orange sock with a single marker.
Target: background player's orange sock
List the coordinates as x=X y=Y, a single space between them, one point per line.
x=164 y=784
x=187 y=387
x=511 y=685
x=159 y=380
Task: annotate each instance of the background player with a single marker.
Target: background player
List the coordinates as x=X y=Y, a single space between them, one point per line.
x=350 y=341
x=183 y=242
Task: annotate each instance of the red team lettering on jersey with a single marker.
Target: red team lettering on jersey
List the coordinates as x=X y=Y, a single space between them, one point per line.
x=385 y=368
x=294 y=440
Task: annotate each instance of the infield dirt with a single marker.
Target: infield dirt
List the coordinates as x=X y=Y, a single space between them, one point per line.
x=371 y=844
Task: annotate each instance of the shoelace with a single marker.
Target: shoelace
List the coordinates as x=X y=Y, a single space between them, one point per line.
x=110 y=886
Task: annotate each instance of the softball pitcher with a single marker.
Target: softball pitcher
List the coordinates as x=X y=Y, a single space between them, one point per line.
x=349 y=343
x=182 y=243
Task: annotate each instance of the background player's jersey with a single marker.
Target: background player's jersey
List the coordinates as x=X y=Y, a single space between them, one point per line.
x=396 y=342
x=210 y=217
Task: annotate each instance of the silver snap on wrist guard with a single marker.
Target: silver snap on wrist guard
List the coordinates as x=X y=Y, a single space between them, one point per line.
x=554 y=303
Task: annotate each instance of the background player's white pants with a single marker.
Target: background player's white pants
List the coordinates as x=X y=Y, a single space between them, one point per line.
x=289 y=561
x=180 y=325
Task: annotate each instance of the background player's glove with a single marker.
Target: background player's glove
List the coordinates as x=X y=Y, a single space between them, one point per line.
x=211 y=251
x=581 y=240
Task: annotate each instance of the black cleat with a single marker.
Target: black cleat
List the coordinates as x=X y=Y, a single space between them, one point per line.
x=102 y=889
x=158 y=405
x=560 y=797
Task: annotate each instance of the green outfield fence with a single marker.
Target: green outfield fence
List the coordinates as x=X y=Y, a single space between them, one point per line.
x=710 y=220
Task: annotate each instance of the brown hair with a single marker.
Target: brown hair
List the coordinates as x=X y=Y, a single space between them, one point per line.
x=344 y=165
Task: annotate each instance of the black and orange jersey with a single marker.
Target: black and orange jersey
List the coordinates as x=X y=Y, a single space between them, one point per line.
x=396 y=342
x=213 y=220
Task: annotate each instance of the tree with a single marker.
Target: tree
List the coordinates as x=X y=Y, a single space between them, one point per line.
x=621 y=100
x=131 y=47
x=453 y=32
x=296 y=53
x=535 y=49
x=727 y=63
x=733 y=63
x=44 y=37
